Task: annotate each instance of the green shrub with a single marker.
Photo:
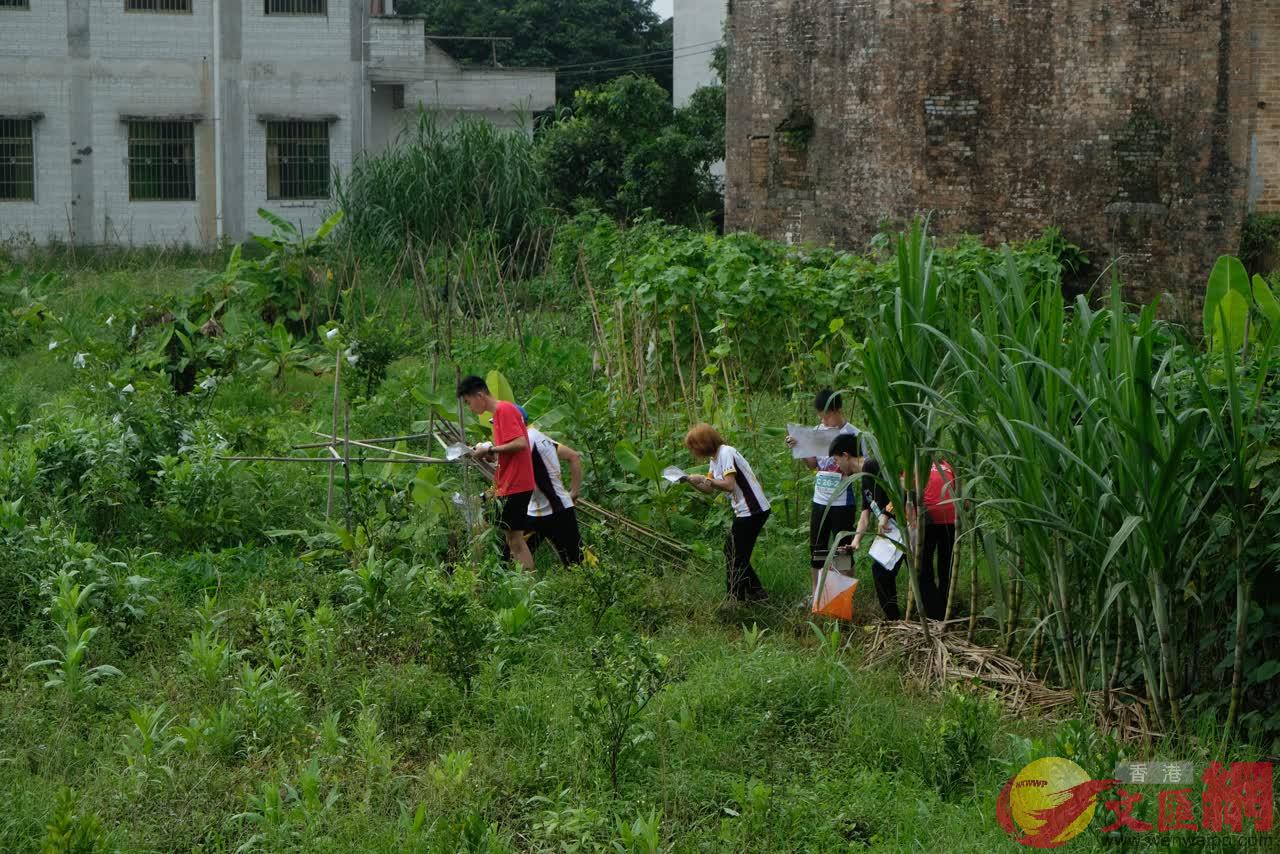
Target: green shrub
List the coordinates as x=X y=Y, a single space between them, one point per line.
x=956 y=748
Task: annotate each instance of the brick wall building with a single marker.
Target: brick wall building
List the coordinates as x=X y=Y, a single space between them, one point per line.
x=1145 y=129
x=169 y=122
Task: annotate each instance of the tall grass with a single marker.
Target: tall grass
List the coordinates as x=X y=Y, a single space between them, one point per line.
x=438 y=186
x=1103 y=462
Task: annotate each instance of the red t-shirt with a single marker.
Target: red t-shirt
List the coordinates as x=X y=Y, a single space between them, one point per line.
x=939 y=493
x=515 y=470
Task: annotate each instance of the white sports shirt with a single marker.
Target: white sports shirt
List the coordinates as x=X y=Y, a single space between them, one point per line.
x=748 y=497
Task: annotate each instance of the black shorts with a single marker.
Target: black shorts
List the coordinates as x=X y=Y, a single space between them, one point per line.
x=824 y=523
x=514 y=515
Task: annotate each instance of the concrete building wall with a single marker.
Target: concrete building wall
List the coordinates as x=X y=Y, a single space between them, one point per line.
x=1125 y=122
x=87 y=64
x=41 y=88
x=159 y=89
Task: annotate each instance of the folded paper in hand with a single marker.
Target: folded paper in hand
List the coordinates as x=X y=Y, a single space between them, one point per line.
x=810 y=441
x=456 y=452
x=885 y=552
x=673 y=474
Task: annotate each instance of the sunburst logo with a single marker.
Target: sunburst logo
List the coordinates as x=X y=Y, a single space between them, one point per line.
x=1049 y=803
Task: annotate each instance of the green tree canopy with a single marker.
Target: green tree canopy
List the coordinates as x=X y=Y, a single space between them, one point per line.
x=590 y=40
x=623 y=148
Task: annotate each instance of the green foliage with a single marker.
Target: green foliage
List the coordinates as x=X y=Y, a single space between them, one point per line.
x=588 y=40
x=1260 y=243
x=72 y=830
x=957 y=748
x=441 y=187
x=626 y=674
x=69 y=672
x=460 y=626
x=624 y=150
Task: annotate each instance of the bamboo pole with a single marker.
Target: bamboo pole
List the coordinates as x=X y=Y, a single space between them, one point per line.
x=363 y=444
x=382 y=440
x=337 y=389
x=331 y=461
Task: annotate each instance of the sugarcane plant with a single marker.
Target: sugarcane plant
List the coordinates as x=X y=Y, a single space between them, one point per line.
x=69 y=673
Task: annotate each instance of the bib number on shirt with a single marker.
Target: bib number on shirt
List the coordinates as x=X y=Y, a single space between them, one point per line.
x=828 y=480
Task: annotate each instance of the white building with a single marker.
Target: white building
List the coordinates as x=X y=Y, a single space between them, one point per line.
x=169 y=122
x=697 y=27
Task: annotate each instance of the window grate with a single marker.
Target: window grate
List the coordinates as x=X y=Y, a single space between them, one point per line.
x=397 y=97
x=162 y=163
x=297 y=7
x=297 y=160
x=157 y=5
x=17 y=161
x=15 y=4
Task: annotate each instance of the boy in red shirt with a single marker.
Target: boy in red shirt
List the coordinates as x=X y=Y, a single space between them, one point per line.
x=514 y=482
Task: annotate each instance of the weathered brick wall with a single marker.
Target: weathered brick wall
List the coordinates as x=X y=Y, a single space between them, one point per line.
x=1127 y=123
x=1265 y=184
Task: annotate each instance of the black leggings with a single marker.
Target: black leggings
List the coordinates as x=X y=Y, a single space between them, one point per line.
x=939 y=546
x=887 y=588
x=740 y=578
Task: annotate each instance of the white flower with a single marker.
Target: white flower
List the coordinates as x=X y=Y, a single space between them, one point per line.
x=129 y=389
x=111 y=320
x=53 y=345
x=332 y=333
x=208 y=383
x=78 y=361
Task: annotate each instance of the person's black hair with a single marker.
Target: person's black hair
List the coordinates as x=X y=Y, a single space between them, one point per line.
x=845 y=443
x=827 y=400
x=472 y=385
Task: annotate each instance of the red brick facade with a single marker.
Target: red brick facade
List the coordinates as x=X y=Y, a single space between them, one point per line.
x=1144 y=129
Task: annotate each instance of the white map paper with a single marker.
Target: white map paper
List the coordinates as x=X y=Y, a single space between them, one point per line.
x=810 y=441
x=885 y=552
x=673 y=474
x=456 y=452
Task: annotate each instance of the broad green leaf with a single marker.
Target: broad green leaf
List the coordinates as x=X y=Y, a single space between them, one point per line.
x=627 y=457
x=499 y=387
x=278 y=222
x=1117 y=542
x=327 y=226
x=1266 y=300
x=1226 y=303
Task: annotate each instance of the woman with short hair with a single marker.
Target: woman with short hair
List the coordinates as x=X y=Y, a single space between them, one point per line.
x=729 y=472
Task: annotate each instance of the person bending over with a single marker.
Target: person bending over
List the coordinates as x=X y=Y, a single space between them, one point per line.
x=729 y=472
x=514 y=482
x=552 y=514
x=851 y=459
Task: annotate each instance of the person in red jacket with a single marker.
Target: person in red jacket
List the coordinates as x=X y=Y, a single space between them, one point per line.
x=939 y=539
x=514 y=483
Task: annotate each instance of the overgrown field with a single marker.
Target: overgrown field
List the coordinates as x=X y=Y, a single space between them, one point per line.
x=196 y=659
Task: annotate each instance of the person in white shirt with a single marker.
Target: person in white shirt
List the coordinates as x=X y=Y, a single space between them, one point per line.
x=552 y=514
x=833 y=510
x=729 y=472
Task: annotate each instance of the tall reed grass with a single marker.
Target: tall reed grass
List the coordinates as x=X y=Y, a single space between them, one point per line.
x=438 y=186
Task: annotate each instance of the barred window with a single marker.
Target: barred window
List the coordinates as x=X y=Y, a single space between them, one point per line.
x=15 y=4
x=297 y=160
x=162 y=162
x=157 y=5
x=17 y=160
x=297 y=7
